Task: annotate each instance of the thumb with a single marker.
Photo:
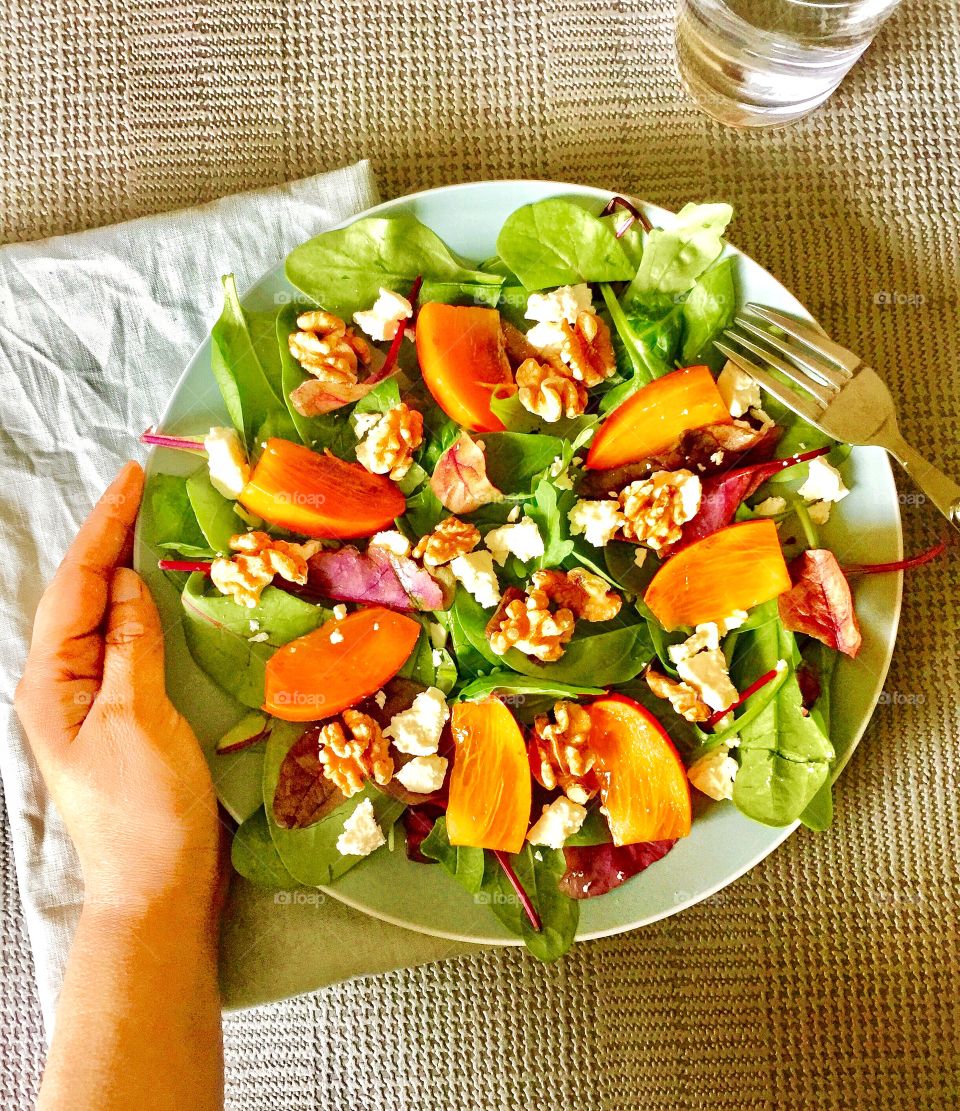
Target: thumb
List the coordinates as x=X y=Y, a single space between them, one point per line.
x=133 y=642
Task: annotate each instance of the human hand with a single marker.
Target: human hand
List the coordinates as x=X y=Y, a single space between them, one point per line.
x=122 y=765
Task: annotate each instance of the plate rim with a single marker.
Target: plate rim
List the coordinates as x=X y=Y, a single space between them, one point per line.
x=880 y=676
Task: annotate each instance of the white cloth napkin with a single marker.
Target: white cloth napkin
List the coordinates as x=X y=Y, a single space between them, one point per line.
x=95 y=329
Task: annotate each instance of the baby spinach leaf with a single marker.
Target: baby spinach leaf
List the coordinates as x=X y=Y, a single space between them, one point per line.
x=218 y=631
x=557 y=242
x=784 y=755
x=549 y=509
x=597 y=659
x=332 y=431
x=310 y=854
x=673 y=258
x=514 y=459
x=470 y=621
x=463 y=862
x=515 y=684
x=245 y=384
x=254 y=855
x=344 y=269
x=513 y=416
x=621 y=560
x=708 y=309
x=175 y=524
x=539 y=871
x=478 y=291
x=214 y=513
x=423 y=511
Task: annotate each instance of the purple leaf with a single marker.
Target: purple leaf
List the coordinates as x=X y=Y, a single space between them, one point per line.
x=376 y=575
x=596 y=869
x=820 y=603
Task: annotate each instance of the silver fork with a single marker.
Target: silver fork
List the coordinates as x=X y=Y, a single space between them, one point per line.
x=837 y=393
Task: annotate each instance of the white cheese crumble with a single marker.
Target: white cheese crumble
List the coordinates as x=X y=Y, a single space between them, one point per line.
x=364 y=423
x=258 y=638
x=475 y=571
x=522 y=539
x=336 y=637
x=423 y=774
x=714 y=773
x=340 y=611
x=514 y=514
x=707 y=673
x=361 y=834
x=640 y=557
x=563 y=303
x=380 y=698
x=819 y=512
x=560 y=820
x=824 y=482
x=226 y=461
x=770 y=507
x=416 y=731
x=382 y=320
x=437 y=633
x=597 y=521
x=740 y=391
x=392 y=541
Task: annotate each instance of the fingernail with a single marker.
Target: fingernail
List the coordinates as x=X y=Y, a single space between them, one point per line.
x=127 y=585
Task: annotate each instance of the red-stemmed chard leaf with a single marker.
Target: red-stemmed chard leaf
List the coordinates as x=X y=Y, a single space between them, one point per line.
x=898 y=564
x=181 y=443
x=199 y=565
x=596 y=869
x=373 y=576
x=525 y=902
x=635 y=214
x=723 y=493
x=460 y=477
x=819 y=603
x=757 y=684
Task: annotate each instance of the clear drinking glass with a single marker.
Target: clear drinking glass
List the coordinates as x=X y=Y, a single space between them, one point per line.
x=756 y=63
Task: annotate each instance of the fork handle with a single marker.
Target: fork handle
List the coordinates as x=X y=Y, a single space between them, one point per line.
x=939 y=488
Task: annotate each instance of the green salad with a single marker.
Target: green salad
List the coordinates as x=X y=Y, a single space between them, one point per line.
x=504 y=567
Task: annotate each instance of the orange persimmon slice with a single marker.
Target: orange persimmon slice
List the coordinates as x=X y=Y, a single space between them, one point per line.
x=462 y=360
x=490 y=791
x=643 y=784
x=337 y=665
x=735 y=568
x=656 y=416
x=319 y=495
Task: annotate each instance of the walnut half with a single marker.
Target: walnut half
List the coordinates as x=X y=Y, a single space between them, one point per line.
x=349 y=763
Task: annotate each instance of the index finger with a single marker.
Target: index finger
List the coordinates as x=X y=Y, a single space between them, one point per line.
x=73 y=605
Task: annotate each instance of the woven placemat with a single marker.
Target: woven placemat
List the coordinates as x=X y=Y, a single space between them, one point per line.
x=828 y=977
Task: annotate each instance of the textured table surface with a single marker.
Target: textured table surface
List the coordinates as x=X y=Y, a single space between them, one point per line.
x=826 y=978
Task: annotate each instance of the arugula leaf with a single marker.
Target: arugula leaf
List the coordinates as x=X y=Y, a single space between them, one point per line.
x=254 y=855
x=247 y=387
x=310 y=854
x=673 y=258
x=470 y=621
x=708 y=309
x=539 y=871
x=784 y=755
x=549 y=509
x=514 y=459
x=214 y=513
x=344 y=269
x=557 y=242
x=217 y=632
x=464 y=863
x=175 y=524
x=524 y=684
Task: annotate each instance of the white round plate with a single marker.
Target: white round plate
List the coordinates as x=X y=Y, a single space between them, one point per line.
x=723 y=844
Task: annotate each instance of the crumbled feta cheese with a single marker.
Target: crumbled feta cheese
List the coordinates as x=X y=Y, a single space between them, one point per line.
x=707 y=673
x=382 y=320
x=770 y=507
x=740 y=391
x=436 y=657
x=597 y=521
x=336 y=637
x=514 y=514
x=559 y=474
x=819 y=512
x=716 y=458
x=560 y=820
x=226 y=461
x=416 y=731
x=522 y=540
x=733 y=621
x=824 y=482
x=714 y=773
x=254 y=625
x=437 y=633
x=380 y=698
x=258 y=638
x=364 y=423
x=640 y=556
x=361 y=834
x=565 y=303
x=475 y=571
x=392 y=541
x=423 y=774
x=704 y=638
x=340 y=611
